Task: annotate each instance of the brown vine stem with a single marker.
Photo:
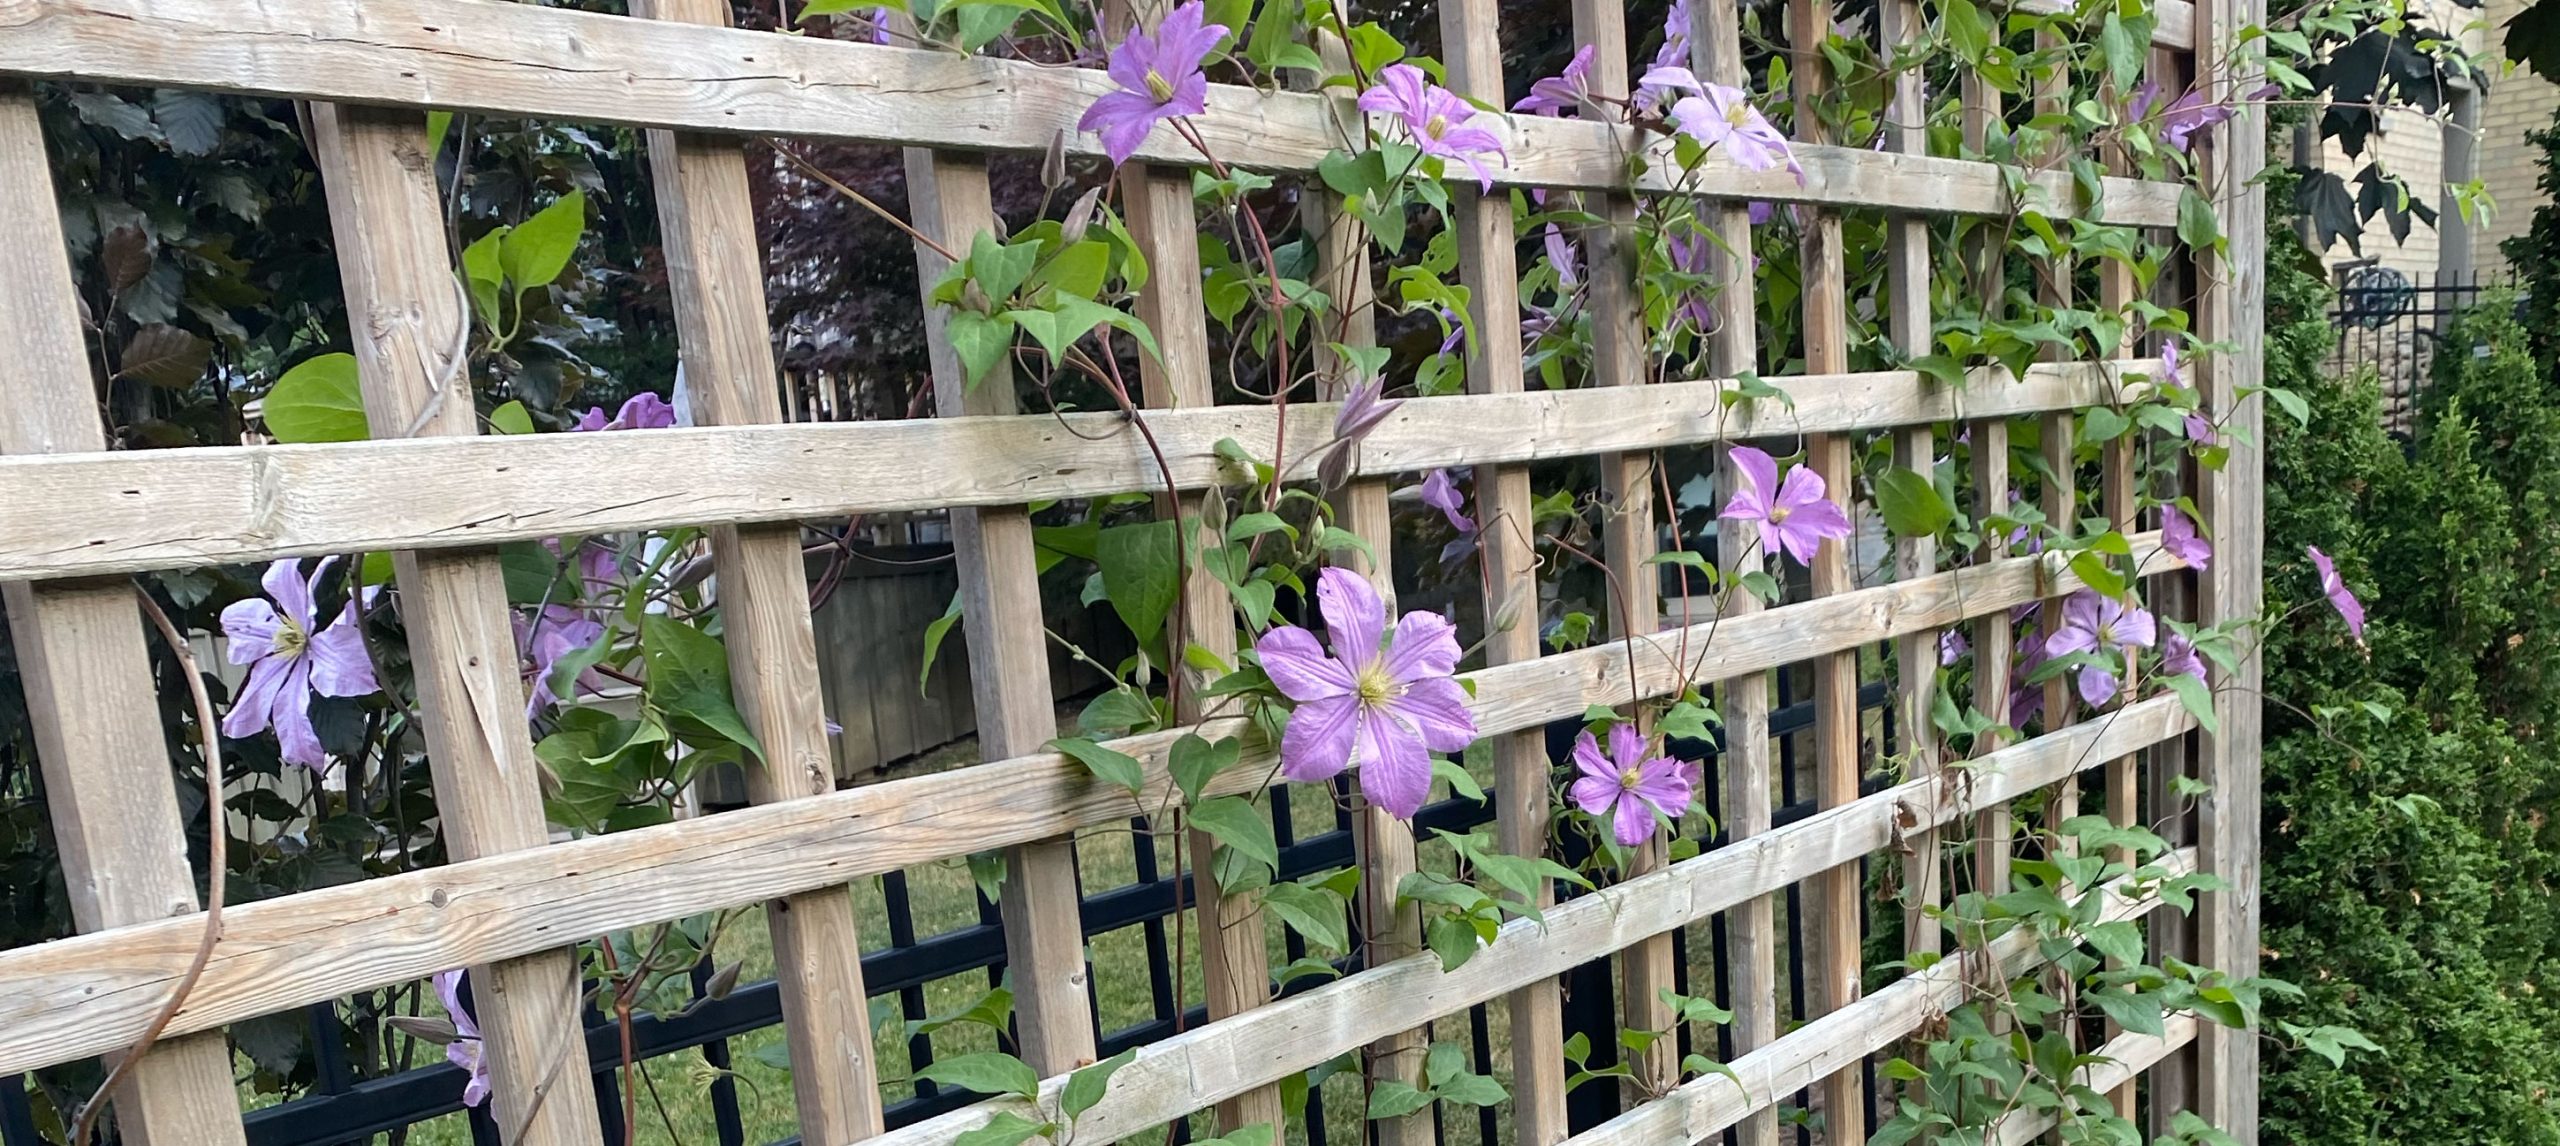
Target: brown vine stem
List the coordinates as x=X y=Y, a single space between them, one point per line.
x=217 y=860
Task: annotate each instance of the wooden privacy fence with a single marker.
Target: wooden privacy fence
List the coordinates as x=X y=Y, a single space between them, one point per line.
x=441 y=497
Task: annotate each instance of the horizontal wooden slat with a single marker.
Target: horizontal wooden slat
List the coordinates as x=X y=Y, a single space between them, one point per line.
x=1703 y=1107
x=83 y=995
x=1192 y=1070
x=518 y=59
x=90 y=514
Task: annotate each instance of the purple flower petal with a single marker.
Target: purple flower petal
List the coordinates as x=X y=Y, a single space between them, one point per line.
x=1424 y=645
x=1395 y=768
x=1437 y=710
x=250 y=622
x=292 y=594
x=251 y=707
x=1633 y=823
x=1354 y=617
x=1317 y=743
x=291 y=718
x=2340 y=597
x=1299 y=666
x=338 y=664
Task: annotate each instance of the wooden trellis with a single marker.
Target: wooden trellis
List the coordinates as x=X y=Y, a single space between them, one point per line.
x=73 y=516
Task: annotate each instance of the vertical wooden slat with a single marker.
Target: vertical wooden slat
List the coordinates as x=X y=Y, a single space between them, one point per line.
x=1751 y=929
x=715 y=273
x=406 y=314
x=1235 y=962
x=1616 y=308
x=1899 y=23
x=1993 y=651
x=1837 y=958
x=2116 y=291
x=2229 y=312
x=1382 y=844
x=2061 y=496
x=1488 y=262
x=1008 y=655
x=85 y=662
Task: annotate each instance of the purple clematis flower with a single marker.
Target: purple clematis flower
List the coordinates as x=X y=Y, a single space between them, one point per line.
x=1563 y=256
x=1436 y=119
x=1722 y=117
x=2178 y=656
x=1384 y=700
x=1692 y=255
x=1361 y=411
x=2178 y=539
x=1160 y=79
x=1440 y=492
x=542 y=639
x=2190 y=116
x=1674 y=52
x=2096 y=624
x=1796 y=515
x=645 y=411
x=1952 y=646
x=291 y=658
x=1630 y=785
x=1563 y=93
x=2340 y=597
x=466 y=1049
x=2026 y=701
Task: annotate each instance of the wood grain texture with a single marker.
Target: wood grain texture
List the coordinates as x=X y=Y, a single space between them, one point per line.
x=1488 y=265
x=405 y=309
x=1751 y=929
x=1192 y=1070
x=2231 y=312
x=82 y=654
x=1706 y=1106
x=80 y=996
x=715 y=273
x=1008 y=647
x=88 y=514
x=545 y=63
x=1235 y=963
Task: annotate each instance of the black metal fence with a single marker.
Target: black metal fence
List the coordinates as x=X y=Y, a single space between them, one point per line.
x=2392 y=322
x=345 y=1110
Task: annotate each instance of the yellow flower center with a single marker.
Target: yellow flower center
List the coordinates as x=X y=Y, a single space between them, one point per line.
x=1158 y=86
x=2106 y=634
x=1778 y=513
x=1438 y=126
x=1739 y=114
x=1375 y=687
x=1630 y=778
x=290 y=640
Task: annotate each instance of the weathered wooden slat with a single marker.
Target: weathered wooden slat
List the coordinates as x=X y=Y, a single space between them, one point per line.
x=1488 y=265
x=1751 y=928
x=95 y=513
x=1008 y=645
x=2176 y=27
x=80 y=996
x=1701 y=1108
x=1192 y=1070
x=388 y=217
x=715 y=273
x=82 y=650
x=511 y=59
x=2231 y=314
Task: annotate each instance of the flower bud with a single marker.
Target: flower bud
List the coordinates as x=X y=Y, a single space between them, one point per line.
x=425 y=1030
x=723 y=981
x=1053 y=164
x=974 y=297
x=1080 y=216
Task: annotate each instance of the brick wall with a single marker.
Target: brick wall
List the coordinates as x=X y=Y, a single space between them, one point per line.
x=2519 y=102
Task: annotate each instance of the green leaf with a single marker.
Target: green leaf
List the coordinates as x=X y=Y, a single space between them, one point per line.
x=2195 y=696
x=1316 y=914
x=487 y=278
x=1307 y=968
x=2099 y=424
x=316 y=401
x=1141 y=570
x=1195 y=761
x=1967 y=31
x=2196 y=225
x=1461 y=782
x=2332 y=1043
x=980 y=340
x=939 y=628
x=535 y=252
x=1001 y=269
x=1006 y=1128
x=1472 y=1090
x=689 y=678
x=1108 y=766
x=2120 y=940
x=2122 y=50
x=2137 y=1013
x=1239 y=825
x=1911 y=504
x=1373 y=47
x=1085 y=1087
x=1076 y=270
x=2093 y=570
x=439 y=124
x=986 y=1072
x=511 y=418
x=1395 y=1099
x=1453 y=938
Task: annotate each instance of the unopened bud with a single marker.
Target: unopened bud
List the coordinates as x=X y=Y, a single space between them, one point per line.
x=1053 y=165
x=423 y=1029
x=723 y=981
x=1080 y=216
x=974 y=297
x=1507 y=617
